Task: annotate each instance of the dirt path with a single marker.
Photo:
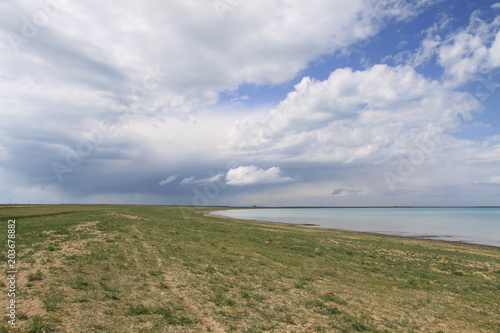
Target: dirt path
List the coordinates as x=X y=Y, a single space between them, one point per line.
x=172 y=279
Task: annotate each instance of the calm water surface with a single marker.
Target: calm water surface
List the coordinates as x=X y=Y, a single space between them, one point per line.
x=470 y=225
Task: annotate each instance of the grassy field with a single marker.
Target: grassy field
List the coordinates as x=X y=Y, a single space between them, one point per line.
x=173 y=269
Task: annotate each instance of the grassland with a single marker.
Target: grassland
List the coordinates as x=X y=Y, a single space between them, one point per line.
x=173 y=269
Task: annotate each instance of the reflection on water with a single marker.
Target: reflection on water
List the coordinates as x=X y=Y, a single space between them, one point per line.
x=470 y=225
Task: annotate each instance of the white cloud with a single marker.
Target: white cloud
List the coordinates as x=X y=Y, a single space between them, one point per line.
x=491 y=180
x=213 y=179
x=365 y=116
x=198 y=55
x=496 y=5
x=152 y=68
x=246 y=175
x=168 y=180
x=203 y=181
x=465 y=53
x=153 y=71
x=494 y=52
x=464 y=56
x=187 y=180
x=494 y=180
x=342 y=192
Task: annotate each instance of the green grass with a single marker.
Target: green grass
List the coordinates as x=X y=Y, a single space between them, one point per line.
x=159 y=269
x=38 y=276
x=40 y=325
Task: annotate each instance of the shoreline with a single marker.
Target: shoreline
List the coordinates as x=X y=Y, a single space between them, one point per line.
x=315 y=226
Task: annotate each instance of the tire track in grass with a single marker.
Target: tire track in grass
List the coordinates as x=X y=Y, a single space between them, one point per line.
x=210 y=323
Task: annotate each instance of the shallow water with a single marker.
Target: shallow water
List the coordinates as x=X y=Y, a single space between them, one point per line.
x=469 y=225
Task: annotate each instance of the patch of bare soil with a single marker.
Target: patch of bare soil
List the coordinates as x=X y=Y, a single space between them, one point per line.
x=35 y=290
x=127 y=216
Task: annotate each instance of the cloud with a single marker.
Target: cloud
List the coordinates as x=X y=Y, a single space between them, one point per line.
x=125 y=97
x=356 y=116
x=168 y=180
x=342 y=192
x=493 y=180
x=496 y=5
x=192 y=180
x=187 y=180
x=248 y=175
x=262 y=42
x=465 y=53
x=150 y=71
x=494 y=52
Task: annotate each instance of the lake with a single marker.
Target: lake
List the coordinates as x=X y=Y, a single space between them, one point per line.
x=468 y=225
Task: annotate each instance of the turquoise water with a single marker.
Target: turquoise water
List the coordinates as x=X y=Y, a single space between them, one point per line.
x=469 y=225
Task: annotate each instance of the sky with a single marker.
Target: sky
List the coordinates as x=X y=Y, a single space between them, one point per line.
x=241 y=103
